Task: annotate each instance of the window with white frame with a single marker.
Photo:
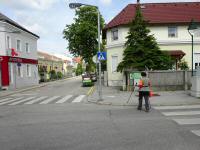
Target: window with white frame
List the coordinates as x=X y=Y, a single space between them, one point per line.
x=172 y=31
x=18 y=45
x=114 y=63
x=27 y=47
x=28 y=70
x=11 y=72
x=114 y=35
x=19 y=70
x=8 y=42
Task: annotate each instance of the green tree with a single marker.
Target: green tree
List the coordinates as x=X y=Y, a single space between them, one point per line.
x=183 y=65
x=79 y=69
x=141 y=49
x=82 y=35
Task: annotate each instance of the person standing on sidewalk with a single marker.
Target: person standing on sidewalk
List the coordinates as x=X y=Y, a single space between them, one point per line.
x=144 y=91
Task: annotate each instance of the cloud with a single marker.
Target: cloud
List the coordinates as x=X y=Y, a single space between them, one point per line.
x=106 y=2
x=29 y=4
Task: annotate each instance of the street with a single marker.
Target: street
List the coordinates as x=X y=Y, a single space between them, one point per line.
x=46 y=124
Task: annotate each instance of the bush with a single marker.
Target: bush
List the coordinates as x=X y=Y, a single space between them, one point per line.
x=53 y=74
x=59 y=75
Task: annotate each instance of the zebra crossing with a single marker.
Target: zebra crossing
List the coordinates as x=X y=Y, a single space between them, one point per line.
x=22 y=100
x=185 y=115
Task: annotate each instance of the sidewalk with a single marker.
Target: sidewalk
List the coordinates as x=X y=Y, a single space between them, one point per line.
x=5 y=93
x=113 y=96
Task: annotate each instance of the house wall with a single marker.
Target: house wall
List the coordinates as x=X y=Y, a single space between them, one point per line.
x=24 y=37
x=182 y=42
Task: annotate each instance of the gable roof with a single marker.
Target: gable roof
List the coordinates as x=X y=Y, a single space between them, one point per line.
x=47 y=56
x=159 y=13
x=8 y=20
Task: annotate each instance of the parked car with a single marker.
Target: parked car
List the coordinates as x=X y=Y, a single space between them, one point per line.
x=86 y=80
x=93 y=77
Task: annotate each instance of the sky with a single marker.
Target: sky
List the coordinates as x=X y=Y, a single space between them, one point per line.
x=48 y=18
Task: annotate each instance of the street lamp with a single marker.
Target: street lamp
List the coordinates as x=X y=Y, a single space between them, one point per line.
x=77 y=5
x=191 y=29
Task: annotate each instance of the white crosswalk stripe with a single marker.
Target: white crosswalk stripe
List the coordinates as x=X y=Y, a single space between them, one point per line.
x=3 y=103
x=78 y=99
x=41 y=100
x=36 y=100
x=189 y=116
x=21 y=101
x=190 y=121
x=49 y=100
x=181 y=113
x=176 y=107
x=197 y=132
x=5 y=99
x=64 y=99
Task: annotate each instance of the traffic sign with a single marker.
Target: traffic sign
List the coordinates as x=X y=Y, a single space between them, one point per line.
x=101 y=55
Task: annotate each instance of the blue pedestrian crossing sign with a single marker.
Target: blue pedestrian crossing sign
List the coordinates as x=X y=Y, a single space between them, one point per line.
x=101 y=55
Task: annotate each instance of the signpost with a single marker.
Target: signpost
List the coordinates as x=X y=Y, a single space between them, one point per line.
x=101 y=55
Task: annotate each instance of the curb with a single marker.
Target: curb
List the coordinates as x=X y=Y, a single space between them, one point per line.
x=35 y=87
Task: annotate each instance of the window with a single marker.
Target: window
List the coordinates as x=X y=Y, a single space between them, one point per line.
x=19 y=70
x=114 y=63
x=114 y=34
x=27 y=48
x=28 y=70
x=172 y=32
x=11 y=72
x=18 y=45
x=8 y=42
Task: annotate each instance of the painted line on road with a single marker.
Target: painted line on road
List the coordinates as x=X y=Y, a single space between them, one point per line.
x=191 y=121
x=36 y=100
x=181 y=113
x=78 y=99
x=10 y=101
x=90 y=91
x=64 y=99
x=196 y=132
x=49 y=100
x=21 y=101
x=177 y=107
x=5 y=99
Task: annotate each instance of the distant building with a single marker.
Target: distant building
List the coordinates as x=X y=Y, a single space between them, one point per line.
x=168 y=22
x=48 y=62
x=18 y=55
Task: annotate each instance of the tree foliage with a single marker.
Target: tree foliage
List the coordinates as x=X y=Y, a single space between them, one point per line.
x=183 y=65
x=141 y=49
x=82 y=35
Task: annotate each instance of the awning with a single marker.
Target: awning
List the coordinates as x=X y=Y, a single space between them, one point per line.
x=178 y=54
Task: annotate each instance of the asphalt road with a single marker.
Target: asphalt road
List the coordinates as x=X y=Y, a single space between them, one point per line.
x=83 y=126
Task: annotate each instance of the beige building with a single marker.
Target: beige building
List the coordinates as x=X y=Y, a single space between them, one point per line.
x=48 y=62
x=168 y=22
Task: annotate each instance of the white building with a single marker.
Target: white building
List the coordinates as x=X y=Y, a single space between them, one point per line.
x=168 y=22
x=18 y=66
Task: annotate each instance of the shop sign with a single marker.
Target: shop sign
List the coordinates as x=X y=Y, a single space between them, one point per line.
x=135 y=76
x=13 y=59
x=1 y=59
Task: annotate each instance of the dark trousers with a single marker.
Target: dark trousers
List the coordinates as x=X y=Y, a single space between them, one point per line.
x=144 y=94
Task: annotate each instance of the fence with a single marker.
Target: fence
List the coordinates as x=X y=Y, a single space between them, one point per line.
x=161 y=80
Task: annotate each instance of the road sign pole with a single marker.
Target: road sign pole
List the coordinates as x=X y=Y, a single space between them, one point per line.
x=99 y=50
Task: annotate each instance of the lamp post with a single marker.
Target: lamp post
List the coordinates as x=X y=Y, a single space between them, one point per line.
x=191 y=29
x=77 y=5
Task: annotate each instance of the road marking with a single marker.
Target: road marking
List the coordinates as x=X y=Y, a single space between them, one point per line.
x=5 y=99
x=78 y=99
x=36 y=100
x=49 y=100
x=21 y=101
x=181 y=113
x=11 y=101
x=177 y=107
x=190 y=121
x=197 y=132
x=64 y=99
